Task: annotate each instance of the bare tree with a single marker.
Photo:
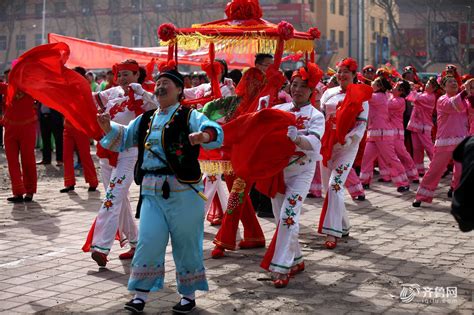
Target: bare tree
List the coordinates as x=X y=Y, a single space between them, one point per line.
x=9 y=26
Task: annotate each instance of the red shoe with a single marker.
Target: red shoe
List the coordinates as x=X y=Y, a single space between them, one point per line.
x=330 y=244
x=100 y=258
x=217 y=252
x=243 y=244
x=297 y=269
x=281 y=282
x=127 y=255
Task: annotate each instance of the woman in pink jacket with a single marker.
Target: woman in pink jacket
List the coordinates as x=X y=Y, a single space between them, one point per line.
x=452 y=129
x=396 y=108
x=421 y=123
x=380 y=138
x=469 y=85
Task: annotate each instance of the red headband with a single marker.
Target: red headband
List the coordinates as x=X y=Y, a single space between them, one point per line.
x=350 y=63
x=124 y=66
x=313 y=75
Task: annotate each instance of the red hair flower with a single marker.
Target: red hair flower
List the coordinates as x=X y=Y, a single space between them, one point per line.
x=315 y=32
x=286 y=30
x=166 y=32
x=348 y=62
x=167 y=65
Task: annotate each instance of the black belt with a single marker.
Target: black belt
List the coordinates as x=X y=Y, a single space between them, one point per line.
x=160 y=171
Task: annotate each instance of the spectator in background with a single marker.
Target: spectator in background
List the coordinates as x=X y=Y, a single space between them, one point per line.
x=110 y=80
x=90 y=76
x=195 y=81
x=263 y=61
x=51 y=124
x=235 y=75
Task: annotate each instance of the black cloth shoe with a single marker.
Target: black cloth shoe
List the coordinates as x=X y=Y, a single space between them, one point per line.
x=92 y=188
x=183 y=309
x=360 y=198
x=382 y=180
x=403 y=188
x=43 y=162
x=416 y=204
x=415 y=181
x=15 y=199
x=450 y=193
x=67 y=189
x=366 y=186
x=135 y=308
x=28 y=198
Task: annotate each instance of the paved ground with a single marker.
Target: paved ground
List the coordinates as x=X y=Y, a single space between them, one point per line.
x=42 y=268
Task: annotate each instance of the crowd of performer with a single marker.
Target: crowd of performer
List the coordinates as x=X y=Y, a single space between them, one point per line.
x=346 y=124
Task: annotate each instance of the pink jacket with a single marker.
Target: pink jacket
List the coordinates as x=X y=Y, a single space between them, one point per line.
x=422 y=114
x=452 y=121
x=396 y=108
x=470 y=112
x=379 y=127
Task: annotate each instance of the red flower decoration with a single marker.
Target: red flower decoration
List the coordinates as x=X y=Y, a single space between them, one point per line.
x=243 y=10
x=292 y=202
x=167 y=32
x=112 y=185
x=119 y=181
x=286 y=30
x=315 y=32
x=289 y=221
x=167 y=65
x=350 y=63
x=108 y=204
x=179 y=152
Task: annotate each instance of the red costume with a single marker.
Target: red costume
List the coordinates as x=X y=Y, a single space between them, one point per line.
x=74 y=138
x=20 y=137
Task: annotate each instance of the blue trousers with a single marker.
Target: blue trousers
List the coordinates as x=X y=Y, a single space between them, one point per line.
x=181 y=216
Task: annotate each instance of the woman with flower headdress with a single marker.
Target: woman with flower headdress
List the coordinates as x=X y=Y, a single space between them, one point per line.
x=115 y=219
x=380 y=139
x=421 y=123
x=171 y=203
x=346 y=111
x=284 y=257
x=452 y=122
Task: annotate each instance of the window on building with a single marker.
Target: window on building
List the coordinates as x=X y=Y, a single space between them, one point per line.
x=332 y=36
x=19 y=7
x=114 y=6
x=161 y=4
x=372 y=51
x=87 y=6
x=135 y=4
x=381 y=26
x=20 y=42
x=341 y=39
x=38 y=10
x=38 y=39
x=115 y=37
x=60 y=7
x=372 y=23
x=341 y=7
x=332 y=7
x=3 y=42
x=135 y=38
x=311 y=5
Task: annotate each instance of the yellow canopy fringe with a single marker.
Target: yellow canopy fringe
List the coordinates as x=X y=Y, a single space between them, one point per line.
x=249 y=42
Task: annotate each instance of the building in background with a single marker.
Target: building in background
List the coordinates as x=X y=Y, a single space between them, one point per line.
x=357 y=28
x=436 y=34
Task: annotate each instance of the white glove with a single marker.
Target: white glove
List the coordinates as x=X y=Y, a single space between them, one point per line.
x=137 y=88
x=292 y=133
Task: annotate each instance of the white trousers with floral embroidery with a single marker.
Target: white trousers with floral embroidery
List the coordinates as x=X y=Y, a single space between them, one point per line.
x=115 y=213
x=334 y=220
x=215 y=185
x=287 y=209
